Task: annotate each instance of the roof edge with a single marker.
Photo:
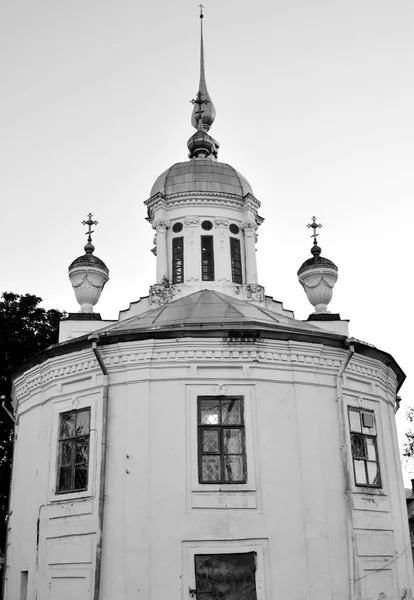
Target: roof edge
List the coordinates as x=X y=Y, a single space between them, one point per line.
x=203 y=330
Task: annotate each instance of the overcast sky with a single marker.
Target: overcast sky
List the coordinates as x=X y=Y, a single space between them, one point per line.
x=314 y=107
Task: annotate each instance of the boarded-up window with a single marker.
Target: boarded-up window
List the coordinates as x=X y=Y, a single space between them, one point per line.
x=178 y=260
x=236 y=267
x=74 y=432
x=207 y=258
x=226 y=576
x=221 y=440
x=364 y=447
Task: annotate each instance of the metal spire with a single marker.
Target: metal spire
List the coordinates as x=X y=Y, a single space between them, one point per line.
x=204 y=112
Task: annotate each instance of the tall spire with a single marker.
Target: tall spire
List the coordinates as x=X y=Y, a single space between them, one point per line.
x=204 y=112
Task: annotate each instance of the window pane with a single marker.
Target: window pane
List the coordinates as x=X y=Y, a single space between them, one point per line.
x=368 y=423
x=236 y=273
x=178 y=260
x=82 y=451
x=371 y=451
x=210 y=468
x=373 y=473
x=354 y=421
x=68 y=425
x=65 y=479
x=233 y=441
x=66 y=453
x=230 y=412
x=210 y=440
x=358 y=446
x=207 y=258
x=360 y=477
x=226 y=576
x=209 y=412
x=81 y=477
x=234 y=468
x=82 y=422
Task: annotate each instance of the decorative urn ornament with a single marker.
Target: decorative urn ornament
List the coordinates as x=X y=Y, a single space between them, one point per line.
x=318 y=275
x=88 y=273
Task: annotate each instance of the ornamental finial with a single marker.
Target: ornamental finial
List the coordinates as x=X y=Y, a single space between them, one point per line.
x=204 y=112
x=316 y=250
x=89 y=247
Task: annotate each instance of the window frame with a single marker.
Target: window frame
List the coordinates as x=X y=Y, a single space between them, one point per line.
x=177 y=258
x=363 y=436
x=73 y=440
x=207 y=270
x=221 y=428
x=235 y=256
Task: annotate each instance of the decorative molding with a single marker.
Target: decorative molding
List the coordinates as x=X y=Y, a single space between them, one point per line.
x=191 y=222
x=249 y=228
x=161 y=293
x=220 y=222
x=259 y=353
x=254 y=292
x=161 y=225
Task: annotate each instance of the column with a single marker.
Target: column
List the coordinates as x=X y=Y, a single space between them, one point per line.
x=249 y=229
x=162 y=257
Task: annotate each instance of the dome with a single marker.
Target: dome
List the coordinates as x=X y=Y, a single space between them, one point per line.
x=88 y=260
x=201 y=175
x=317 y=261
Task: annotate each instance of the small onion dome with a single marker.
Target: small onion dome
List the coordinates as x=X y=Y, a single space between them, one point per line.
x=202 y=145
x=318 y=275
x=88 y=260
x=317 y=261
x=88 y=275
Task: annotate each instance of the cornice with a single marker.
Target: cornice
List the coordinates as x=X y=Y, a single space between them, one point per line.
x=271 y=354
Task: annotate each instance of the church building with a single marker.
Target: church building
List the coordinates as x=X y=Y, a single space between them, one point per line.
x=207 y=444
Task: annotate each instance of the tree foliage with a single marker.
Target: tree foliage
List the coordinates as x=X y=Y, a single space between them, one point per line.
x=25 y=330
x=408 y=446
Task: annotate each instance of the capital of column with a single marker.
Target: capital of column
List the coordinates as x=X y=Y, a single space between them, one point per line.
x=249 y=228
x=161 y=225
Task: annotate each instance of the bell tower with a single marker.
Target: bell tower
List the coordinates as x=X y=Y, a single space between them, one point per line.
x=205 y=216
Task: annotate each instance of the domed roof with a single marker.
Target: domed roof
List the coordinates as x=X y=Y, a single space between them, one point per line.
x=201 y=175
x=317 y=261
x=88 y=259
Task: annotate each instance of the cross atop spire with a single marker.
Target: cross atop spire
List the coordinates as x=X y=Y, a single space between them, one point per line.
x=202 y=119
x=314 y=226
x=89 y=247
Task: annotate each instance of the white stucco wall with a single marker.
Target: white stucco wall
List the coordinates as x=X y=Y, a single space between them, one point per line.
x=292 y=511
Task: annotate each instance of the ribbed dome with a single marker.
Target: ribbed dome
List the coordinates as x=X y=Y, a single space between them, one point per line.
x=88 y=260
x=317 y=261
x=201 y=175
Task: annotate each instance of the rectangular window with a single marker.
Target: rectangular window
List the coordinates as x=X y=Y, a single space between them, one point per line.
x=207 y=258
x=221 y=440
x=178 y=260
x=236 y=268
x=74 y=432
x=229 y=576
x=364 y=447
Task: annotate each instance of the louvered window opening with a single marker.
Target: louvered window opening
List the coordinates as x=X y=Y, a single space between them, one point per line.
x=73 y=465
x=221 y=440
x=225 y=576
x=207 y=258
x=236 y=266
x=364 y=448
x=178 y=260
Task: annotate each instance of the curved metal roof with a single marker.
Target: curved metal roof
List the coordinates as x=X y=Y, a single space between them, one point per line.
x=201 y=175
